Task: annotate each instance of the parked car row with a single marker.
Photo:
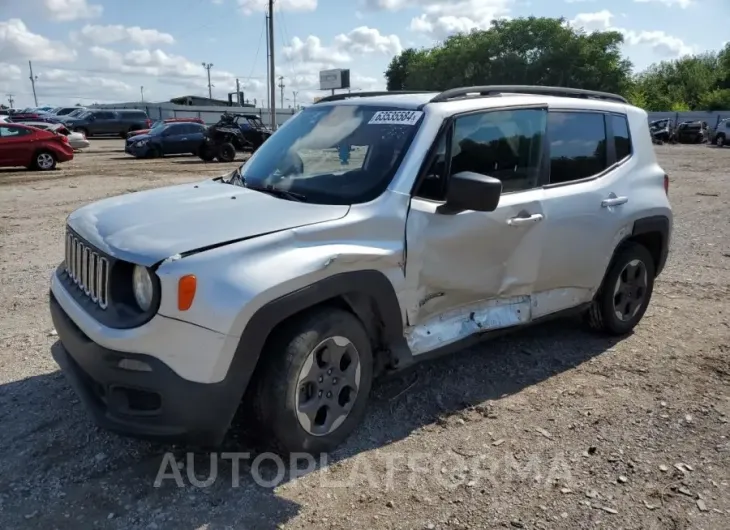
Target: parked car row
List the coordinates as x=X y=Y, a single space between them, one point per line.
x=233 y=132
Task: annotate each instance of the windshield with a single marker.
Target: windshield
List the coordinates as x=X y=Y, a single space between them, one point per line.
x=342 y=154
x=157 y=124
x=256 y=123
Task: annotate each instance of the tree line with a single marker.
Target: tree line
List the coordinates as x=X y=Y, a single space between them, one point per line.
x=548 y=51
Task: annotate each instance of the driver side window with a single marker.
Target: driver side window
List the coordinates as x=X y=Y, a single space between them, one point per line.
x=505 y=144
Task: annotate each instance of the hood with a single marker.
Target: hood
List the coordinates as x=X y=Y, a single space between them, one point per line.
x=149 y=226
x=138 y=137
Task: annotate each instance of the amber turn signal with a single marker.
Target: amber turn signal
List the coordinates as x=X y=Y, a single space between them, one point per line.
x=186 y=292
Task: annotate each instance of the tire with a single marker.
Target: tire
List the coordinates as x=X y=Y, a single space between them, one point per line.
x=83 y=131
x=154 y=152
x=226 y=152
x=602 y=315
x=720 y=141
x=205 y=153
x=291 y=353
x=44 y=161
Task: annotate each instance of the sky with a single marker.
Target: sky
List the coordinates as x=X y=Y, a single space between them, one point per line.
x=106 y=51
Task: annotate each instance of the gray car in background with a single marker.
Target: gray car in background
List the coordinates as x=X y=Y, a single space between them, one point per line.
x=101 y=122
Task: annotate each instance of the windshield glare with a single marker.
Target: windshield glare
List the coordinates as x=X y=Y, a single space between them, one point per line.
x=340 y=154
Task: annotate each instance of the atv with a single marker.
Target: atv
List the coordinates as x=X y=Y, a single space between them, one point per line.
x=233 y=132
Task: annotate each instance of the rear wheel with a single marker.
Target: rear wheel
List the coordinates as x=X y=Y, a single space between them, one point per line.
x=626 y=291
x=314 y=387
x=720 y=140
x=205 y=153
x=44 y=161
x=226 y=152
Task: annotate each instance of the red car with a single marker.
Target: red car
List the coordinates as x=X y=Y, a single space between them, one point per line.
x=33 y=148
x=168 y=120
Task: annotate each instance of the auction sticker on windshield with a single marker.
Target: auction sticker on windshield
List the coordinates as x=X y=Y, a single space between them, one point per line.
x=395 y=117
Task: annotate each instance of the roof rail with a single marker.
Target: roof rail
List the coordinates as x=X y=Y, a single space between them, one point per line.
x=340 y=97
x=495 y=90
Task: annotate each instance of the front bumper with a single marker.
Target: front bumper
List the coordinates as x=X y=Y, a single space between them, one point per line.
x=155 y=403
x=139 y=152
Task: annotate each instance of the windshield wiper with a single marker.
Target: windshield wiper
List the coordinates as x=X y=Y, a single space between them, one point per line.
x=277 y=192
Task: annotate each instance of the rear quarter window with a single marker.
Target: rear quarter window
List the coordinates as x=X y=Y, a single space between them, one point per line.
x=621 y=136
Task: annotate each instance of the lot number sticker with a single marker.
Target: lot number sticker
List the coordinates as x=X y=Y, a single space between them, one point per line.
x=395 y=117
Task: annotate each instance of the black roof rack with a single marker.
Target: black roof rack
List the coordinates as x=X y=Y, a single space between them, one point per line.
x=495 y=90
x=340 y=97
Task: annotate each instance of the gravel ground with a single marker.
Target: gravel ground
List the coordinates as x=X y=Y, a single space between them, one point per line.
x=550 y=428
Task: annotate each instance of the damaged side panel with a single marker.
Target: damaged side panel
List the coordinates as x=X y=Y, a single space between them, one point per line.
x=469 y=272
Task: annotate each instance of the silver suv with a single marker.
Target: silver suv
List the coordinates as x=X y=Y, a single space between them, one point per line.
x=391 y=227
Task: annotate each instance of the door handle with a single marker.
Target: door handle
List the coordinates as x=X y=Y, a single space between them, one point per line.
x=522 y=221
x=614 y=201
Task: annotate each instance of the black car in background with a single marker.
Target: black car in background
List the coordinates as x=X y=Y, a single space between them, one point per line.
x=100 y=122
x=662 y=131
x=692 y=132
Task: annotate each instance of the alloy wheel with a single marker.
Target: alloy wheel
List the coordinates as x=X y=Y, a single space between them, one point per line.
x=630 y=291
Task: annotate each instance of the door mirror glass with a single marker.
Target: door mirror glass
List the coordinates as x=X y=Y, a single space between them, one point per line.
x=473 y=191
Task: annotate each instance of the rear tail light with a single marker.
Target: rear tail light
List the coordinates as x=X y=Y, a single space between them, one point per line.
x=666 y=184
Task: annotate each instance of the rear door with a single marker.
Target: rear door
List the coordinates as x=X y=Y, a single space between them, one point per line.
x=584 y=204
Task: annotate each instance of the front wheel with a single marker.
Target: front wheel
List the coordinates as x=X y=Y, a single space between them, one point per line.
x=205 y=153
x=720 y=141
x=626 y=291
x=314 y=387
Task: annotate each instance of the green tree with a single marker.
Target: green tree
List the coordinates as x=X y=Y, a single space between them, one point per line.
x=531 y=51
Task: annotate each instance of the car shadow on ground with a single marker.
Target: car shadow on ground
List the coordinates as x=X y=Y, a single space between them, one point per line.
x=50 y=431
x=212 y=162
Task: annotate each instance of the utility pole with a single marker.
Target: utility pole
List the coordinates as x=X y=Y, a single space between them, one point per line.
x=294 y=93
x=281 y=86
x=10 y=100
x=272 y=68
x=208 y=66
x=268 y=59
x=32 y=82
x=238 y=93
x=141 y=91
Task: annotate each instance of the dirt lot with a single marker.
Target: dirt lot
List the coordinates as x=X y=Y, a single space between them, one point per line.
x=553 y=428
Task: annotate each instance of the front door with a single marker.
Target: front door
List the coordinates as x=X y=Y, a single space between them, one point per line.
x=472 y=272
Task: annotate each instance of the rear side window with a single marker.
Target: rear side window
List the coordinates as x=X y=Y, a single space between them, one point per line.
x=621 y=136
x=577 y=145
x=138 y=115
x=104 y=115
x=13 y=132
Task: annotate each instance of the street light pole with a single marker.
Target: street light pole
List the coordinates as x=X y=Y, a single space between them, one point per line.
x=208 y=66
x=141 y=91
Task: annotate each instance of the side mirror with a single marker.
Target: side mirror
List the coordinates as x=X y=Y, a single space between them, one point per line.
x=473 y=191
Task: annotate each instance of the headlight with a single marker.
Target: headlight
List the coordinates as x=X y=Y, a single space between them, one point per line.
x=143 y=288
x=141 y=143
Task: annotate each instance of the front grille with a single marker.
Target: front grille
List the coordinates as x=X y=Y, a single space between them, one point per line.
x=88 y=270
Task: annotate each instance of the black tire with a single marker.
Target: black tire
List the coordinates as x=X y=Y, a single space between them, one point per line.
x=44 y=161
x=601 y=316
x=226 y=152
x=278 y=387
x=205 y=153
x=720 y=140
x=154 y=152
